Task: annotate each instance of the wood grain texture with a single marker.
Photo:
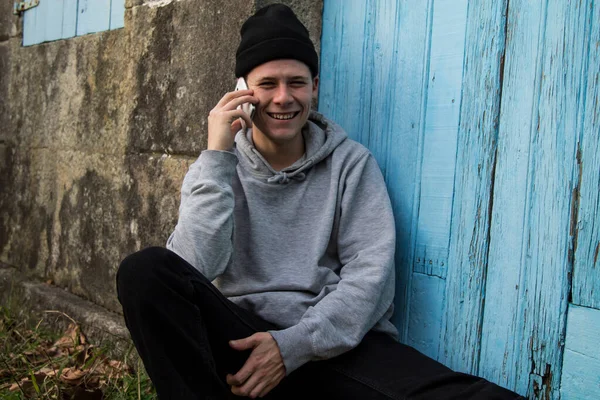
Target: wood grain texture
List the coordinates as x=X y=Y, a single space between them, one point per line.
x=525 y=197
x=117 y=14
x=581 y=365
x=382 y=114
x=93 y=16
x=440 y=136
x=425 y=316
x=405 y=144
x=471 y=212
x=499 y=344
x=523 y=348
x=34 y=24
x=62 y=19
x=69 y=20
x=586 y=270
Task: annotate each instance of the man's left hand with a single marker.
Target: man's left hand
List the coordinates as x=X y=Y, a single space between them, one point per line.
x=263 y=370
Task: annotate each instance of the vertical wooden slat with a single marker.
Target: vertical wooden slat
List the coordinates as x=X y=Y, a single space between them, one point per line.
x=476 y=157
x=529 y=266
x=405 y=140
x=586 y=271
x=425 y=316
x=581 y=366
x=53 y=18
x=343 y=37
x=34 y=25
x=440 y=136
x=384 y=14
x=30 y=34
x=93 y=16
x=438 y=158
x=69 y=18
x=379 y=80
x=499 y=344
x=117 y=14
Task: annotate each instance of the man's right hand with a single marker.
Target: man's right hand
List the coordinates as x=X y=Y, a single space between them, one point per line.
x=223 y=120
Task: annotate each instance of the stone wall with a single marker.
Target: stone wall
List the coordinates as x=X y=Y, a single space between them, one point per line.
x=97 y=132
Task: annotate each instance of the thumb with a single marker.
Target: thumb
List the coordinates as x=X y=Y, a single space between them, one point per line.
x=236 y=126
x=243 y=344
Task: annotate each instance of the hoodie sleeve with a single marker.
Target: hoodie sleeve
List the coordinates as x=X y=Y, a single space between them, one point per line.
x=203 y=232
x=366 y=245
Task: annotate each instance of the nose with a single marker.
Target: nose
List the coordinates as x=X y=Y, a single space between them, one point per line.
x=283 y=95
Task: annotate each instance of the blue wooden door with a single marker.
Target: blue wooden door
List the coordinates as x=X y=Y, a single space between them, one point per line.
x=485 y=119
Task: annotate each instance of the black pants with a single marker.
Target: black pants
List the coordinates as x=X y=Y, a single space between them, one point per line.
x=181 y=324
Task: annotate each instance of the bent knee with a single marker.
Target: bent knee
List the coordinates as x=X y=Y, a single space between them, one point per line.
x=136 y=267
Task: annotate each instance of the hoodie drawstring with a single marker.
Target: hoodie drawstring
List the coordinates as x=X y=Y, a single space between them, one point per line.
x=284 y=177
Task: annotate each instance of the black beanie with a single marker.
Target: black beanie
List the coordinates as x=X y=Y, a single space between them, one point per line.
x=274 y=33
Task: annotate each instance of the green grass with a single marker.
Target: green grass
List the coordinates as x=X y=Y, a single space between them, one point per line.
x=37 y=363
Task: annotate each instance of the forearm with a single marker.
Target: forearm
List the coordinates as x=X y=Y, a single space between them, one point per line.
x=204 y=229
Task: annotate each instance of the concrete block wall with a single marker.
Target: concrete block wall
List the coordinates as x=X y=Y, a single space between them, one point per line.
x=97 y=132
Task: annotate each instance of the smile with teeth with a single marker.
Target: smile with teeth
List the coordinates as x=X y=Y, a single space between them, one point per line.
x=283 y=116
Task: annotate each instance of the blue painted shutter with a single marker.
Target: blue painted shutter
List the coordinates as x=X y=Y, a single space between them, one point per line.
x=93 y=16
x=61 y=19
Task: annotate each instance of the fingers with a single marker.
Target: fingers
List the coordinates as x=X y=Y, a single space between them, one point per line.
x=245 y=343
x=234 y=115
x=236 y=126
x=262 y=371
x=234 y=97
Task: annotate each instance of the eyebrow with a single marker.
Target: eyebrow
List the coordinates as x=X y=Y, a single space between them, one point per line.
x=272 y=78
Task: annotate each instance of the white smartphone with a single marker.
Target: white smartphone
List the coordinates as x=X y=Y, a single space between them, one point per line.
x=248 y=108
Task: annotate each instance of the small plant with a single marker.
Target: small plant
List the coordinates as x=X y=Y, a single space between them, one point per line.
x=39 y=364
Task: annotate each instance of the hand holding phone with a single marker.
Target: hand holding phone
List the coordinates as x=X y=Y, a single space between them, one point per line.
x=248 y=108
x=228 y=117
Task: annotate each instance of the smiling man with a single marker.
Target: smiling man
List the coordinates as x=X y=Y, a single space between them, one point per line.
x=291 y=221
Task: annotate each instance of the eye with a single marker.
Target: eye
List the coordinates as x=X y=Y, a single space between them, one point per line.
x=267 y=85
x=297 y=83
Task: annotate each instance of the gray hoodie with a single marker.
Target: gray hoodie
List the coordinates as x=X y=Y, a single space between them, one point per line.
x=309 y=248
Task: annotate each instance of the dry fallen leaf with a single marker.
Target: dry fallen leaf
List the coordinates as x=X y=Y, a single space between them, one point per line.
x=72 y=337
x=72 y=376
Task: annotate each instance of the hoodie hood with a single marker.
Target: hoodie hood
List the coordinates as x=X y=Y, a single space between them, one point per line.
x=321 y=137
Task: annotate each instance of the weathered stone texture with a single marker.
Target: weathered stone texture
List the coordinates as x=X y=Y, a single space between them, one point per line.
x=73 y=93
x=9 y=22
x=108 y=207
x=5 y=129
x=97 y=132
x=186 y=67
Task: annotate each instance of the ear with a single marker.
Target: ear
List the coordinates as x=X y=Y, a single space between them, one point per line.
x=315 y=86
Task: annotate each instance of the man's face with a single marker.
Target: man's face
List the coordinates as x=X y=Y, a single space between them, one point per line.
x=285 y=90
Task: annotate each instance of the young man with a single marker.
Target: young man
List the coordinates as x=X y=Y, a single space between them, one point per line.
x=292 y=221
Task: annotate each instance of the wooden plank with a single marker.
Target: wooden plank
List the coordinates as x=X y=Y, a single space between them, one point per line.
x=50 y=20
x=69 y=19
x=522 y=340
x=581 y=364
x=471 y=213
x=117 y=14
x=93 y=16
x=346 y=96
x=405 y=140
x=34 y=24
x=586 y=271
x=440 y=136
x=342 y=48
x=53 y=10
x=426 y=312
x=30 y=33
x=504 y=289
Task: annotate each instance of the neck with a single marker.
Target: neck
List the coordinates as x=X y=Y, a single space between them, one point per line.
x=278 y=154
